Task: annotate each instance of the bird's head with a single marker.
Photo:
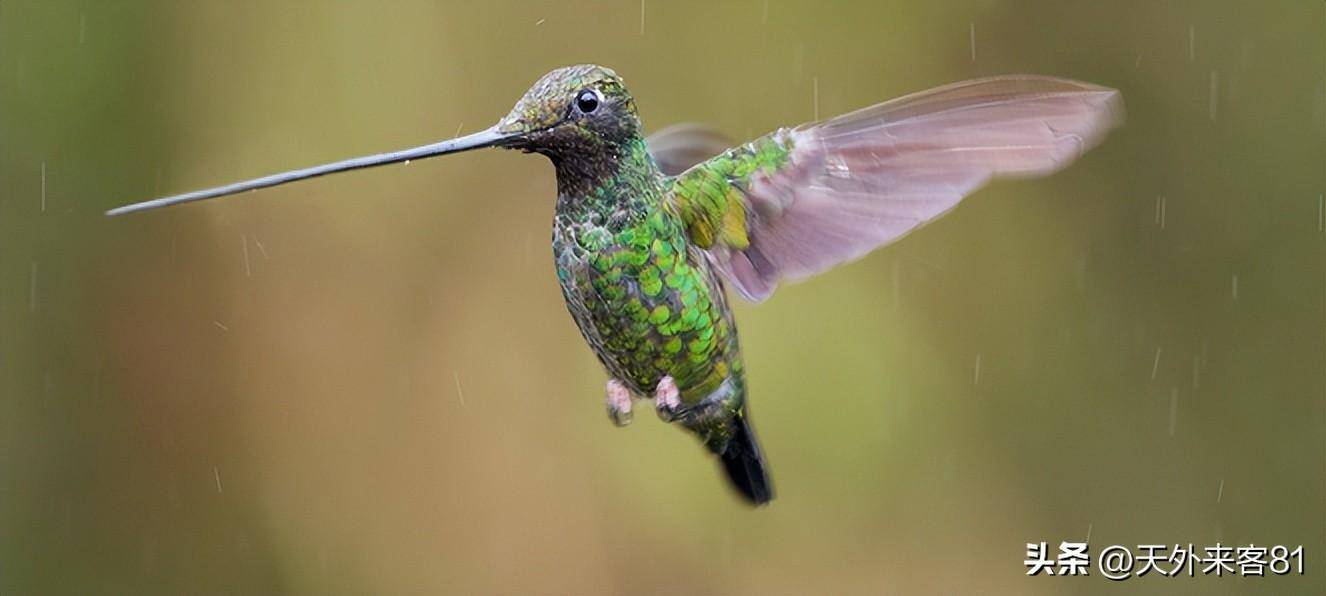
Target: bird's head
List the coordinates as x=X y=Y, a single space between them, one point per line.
x=572 y=111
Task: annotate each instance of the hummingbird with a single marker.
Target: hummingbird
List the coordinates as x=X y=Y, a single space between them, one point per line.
x=649 y=232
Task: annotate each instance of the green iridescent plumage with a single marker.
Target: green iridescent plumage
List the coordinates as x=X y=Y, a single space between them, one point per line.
x=708 y=197
x=646 y=301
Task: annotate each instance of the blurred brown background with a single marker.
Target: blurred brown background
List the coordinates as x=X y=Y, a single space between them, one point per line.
x=368 y=384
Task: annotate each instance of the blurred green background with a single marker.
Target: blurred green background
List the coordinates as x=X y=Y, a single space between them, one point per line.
x=369 y=384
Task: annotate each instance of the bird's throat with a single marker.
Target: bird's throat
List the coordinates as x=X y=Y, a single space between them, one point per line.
x=613 y=186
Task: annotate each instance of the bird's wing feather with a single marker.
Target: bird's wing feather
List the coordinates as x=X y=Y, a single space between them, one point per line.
x=799 y=201
x=681 y=146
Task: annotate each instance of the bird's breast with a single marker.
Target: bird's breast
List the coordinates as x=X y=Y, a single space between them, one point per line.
x=647 y=304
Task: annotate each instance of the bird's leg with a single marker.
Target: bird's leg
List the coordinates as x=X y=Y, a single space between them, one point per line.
x=619 y=402
x=667 y=399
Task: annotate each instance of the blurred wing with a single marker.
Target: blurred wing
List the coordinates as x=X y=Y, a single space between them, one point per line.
x=799 y=201
x=680 y=146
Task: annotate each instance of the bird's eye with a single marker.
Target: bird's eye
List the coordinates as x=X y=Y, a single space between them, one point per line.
x=587 y=101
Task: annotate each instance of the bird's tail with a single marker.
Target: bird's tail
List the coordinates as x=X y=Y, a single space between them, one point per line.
x=744 y=463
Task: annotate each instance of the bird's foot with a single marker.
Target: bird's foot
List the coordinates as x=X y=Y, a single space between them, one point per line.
x=619 y=403
x=667 y=399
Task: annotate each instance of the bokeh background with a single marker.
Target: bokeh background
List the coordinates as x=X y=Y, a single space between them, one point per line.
x=368 y=384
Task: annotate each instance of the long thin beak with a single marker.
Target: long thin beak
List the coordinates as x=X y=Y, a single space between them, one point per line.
x=484 y=138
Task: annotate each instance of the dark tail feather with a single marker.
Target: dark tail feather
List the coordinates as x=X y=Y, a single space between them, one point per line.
x=745 y=464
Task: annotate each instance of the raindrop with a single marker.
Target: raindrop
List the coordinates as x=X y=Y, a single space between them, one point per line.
x=244 y=242
x=972 y=34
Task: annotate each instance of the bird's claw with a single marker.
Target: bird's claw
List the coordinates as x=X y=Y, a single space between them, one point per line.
x=619 y=403
x=667 y=398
